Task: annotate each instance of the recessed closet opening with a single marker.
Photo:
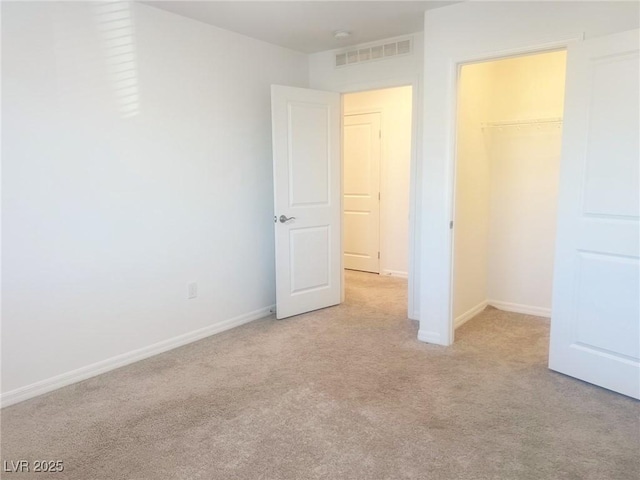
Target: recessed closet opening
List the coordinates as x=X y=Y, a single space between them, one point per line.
x=509 y=129
x=377 y=150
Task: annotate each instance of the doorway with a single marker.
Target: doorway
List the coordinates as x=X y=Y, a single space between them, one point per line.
x=308 y=198
x=508 y=152
x=377 y=151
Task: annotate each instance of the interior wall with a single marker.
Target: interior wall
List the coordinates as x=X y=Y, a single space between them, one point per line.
x=525 y=165
x=391 y=72
x=506 y=184
x=466 y=32
x=136 y=159
x=395 y=166
x=528 y=87
x=471 y=219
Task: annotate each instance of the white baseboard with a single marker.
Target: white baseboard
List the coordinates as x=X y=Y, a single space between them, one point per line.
x=44 y=386
x=469 y=314
x=394 y=273
x=519 y=308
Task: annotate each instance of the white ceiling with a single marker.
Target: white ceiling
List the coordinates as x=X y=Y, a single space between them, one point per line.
x=308 y=26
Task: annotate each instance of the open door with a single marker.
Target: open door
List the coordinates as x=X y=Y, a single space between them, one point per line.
x=595 y=324
x=306 y=174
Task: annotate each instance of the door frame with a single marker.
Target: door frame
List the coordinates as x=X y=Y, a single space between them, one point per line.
x=415 y=82
x=439 y=335
x=455 y=180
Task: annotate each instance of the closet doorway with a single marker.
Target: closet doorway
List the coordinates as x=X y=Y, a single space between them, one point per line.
x=509 y=128
x=377 y=149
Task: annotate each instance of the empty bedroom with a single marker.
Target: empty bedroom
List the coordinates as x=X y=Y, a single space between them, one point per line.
x=320 y=240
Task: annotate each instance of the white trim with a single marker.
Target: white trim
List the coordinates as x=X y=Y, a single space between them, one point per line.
x=415 y=197
x=44 y=386
x=429 y=337
x=469 y=314
x=342 y=282
x=519 y=308
x=366 y=110
x=534 y=49
x=394 y=273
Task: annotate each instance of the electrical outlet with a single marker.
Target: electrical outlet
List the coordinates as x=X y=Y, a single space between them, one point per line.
x=192 y=290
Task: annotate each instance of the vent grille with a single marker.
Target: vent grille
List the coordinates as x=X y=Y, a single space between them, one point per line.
x=404 y=47
x=377 y=52
x=374 y=52
x=364 y=55
x=390 y=49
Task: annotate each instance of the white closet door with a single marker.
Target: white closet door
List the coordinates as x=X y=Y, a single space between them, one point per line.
x=595 y=325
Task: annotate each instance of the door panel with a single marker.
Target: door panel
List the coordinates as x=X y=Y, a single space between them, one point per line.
x=595 y=326
x=308 y=153
x=307 y=245
x=306 y=171
x=361 y=144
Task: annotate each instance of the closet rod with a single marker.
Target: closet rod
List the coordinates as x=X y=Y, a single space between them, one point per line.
x=535 y=121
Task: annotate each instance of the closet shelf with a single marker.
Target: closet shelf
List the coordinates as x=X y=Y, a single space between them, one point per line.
x=535 y=121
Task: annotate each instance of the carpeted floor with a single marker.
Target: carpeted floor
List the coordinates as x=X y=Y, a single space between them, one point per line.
x=342 y=393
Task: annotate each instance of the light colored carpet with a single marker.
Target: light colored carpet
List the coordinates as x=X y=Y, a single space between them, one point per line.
x=342 y=393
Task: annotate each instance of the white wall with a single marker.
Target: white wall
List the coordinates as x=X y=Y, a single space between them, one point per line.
x=392 y=72
x=506 y=184
x=120 y=187
x=460 y=33
x=528 y=87
x=472 y=192
x=525 y=164
x=394 y=104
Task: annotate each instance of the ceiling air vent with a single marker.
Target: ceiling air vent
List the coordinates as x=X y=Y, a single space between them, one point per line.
x=390 y=49
x=373 y=52
x=364 y=54
x=404 y=47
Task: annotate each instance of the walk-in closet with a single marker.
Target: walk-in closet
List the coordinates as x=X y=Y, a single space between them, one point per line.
x=509 y=128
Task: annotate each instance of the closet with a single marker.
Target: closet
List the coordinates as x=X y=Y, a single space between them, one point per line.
x=509 y=129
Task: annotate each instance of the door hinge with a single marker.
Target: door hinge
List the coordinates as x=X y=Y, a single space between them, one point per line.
x=378 y=255
x=378 y=196
x=379 y=133
x=451 y=225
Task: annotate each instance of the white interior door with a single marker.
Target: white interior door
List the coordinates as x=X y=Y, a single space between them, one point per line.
x=361 y=185
x=306 y=172
x=595 y=325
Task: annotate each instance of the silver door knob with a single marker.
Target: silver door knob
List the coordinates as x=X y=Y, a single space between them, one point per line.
x=284 y=219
